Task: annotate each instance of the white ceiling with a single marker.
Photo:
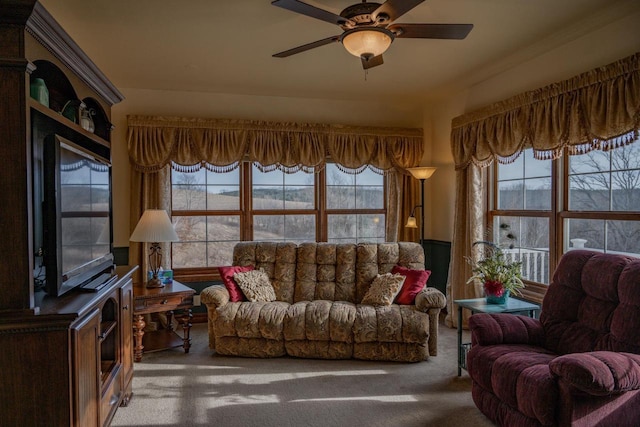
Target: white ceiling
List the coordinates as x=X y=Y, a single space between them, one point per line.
x=226 y=46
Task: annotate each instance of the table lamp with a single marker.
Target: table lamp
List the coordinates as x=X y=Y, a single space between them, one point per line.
x=154 y=227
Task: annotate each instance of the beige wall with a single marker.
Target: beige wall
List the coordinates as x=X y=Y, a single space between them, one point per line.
x=225 y=106
x=597 y=48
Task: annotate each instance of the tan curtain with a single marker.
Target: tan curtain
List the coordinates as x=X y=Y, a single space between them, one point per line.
x=149 y=190
x=188 y=144
x=599 y=109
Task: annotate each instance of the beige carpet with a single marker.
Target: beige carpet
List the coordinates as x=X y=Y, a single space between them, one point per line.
x=201 y=389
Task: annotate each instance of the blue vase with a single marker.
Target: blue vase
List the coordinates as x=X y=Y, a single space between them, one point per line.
x=494 y=299
x=39 y=91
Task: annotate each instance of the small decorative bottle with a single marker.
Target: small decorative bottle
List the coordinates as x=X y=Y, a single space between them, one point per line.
x=39 y=91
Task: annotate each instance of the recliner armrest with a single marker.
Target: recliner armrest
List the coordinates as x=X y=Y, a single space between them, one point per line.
x=492 y=329
x=598 y=373
x=215 y=295
x=429 y=298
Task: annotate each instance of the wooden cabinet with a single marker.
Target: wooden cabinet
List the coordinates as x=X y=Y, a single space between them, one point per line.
x=68 y=360
x=72 y=364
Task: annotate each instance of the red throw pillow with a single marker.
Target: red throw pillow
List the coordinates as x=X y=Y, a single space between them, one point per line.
x=226 y=274
x=415 y=281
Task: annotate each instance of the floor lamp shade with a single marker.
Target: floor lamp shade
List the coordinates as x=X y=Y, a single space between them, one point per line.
x=422 y=173
x=154 y=227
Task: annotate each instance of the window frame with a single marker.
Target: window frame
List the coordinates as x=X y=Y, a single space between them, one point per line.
x=557 y=215
x=247 y=213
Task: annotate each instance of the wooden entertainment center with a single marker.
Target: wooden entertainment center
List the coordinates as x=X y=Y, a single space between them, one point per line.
x=66 y=360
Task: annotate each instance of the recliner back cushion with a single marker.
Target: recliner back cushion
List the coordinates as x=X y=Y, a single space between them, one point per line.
x=583 y=300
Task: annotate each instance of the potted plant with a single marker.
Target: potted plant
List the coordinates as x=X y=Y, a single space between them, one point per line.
x=499 y=276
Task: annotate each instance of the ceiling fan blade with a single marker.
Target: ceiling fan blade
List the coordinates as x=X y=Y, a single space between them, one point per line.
x=306 y=47
x=395 y=8
x=374 y=61
x=431 y=31
x=311 y=11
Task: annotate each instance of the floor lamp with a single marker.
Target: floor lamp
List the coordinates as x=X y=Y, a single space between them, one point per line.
x=422 y=173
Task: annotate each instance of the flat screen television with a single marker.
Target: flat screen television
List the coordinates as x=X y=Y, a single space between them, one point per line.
x=76 y=217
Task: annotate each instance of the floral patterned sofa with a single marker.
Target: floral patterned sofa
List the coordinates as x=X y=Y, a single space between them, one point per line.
x=317 y=311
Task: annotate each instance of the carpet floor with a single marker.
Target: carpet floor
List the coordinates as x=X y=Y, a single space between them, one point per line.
x=174 y=389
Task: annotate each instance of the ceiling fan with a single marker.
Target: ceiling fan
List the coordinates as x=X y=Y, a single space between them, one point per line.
x=368 y=28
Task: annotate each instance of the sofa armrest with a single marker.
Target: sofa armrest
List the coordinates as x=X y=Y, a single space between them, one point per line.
x=429 y=298
x=215 y=295
x=598 y=373
x=492 y=329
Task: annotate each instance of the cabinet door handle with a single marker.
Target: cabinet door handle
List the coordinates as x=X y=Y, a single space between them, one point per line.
x=102 y=336
x=126 y=307
x=165 y=301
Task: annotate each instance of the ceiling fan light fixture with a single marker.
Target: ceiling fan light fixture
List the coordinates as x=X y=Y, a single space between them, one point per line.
x=367 y=42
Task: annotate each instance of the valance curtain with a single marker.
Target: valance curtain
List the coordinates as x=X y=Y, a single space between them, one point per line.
x=219 y=145
x=189 y=144
x=599 y=109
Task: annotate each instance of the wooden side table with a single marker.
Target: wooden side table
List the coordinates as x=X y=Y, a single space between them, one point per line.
x=172 y=297
x=480 y=305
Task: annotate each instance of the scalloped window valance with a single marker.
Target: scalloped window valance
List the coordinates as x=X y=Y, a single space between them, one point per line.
x=188 y=144
x=599 y=109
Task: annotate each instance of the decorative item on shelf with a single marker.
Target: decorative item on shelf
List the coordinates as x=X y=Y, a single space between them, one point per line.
x=70 y=109
x=86 y=122
x=499 y=276
x=39 y=91
x=154 y=227
x=422 y=173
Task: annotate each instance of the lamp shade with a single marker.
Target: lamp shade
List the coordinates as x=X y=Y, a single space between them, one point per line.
x=367 y=42
x=411 y=222
x=154 y=226
x=422 y=172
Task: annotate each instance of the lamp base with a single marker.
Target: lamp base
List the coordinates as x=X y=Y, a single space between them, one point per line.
x=155 y=282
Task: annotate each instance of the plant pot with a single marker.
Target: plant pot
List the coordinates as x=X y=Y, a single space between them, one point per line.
x=494 y=299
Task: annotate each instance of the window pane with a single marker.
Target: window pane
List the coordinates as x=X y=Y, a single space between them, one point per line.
x=623 y=237
x=222 y=198
x=223 y=228
x=525 y=239
x=341 y=197
x=276 y=190
x=356 y=228
x=336 y=177
x=525 y=184
x=369 y=197
x=534 y=168
x=538 y=193
x=298 y=197
x=514 y=170
x=625 y=195
x=284 y=227
x=594 y=161
x=511 y=195
x=584 y=233
x=589 y=192
x=191 y=254
x=220 y=253
x=231 y=178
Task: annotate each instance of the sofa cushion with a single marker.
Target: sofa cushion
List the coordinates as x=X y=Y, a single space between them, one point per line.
x=384 y=289
x=226 y=274
x=394 y=323
x=251 y=320
x=255 y=286
x=519 y=376
x=415 y=282
x=320 y=320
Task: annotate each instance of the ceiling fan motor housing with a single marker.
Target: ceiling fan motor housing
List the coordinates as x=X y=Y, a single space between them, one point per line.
x=360 y=14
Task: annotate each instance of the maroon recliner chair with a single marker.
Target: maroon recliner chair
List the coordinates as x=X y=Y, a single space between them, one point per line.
x=579 y=365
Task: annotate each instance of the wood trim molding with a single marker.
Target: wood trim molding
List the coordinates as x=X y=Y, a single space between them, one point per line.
x=44 y=28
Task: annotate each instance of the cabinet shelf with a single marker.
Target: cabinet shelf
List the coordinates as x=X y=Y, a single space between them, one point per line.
x=106 y=328
x=62 y=120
